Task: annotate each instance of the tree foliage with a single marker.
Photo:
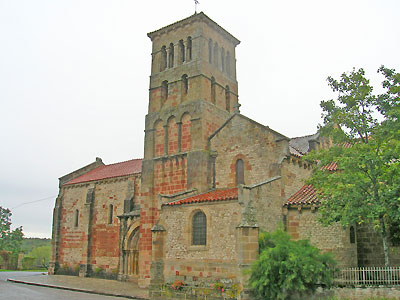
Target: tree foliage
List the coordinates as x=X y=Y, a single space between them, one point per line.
x=41 y=255
x=286 y=267
x=10 y=240
x=365 y=130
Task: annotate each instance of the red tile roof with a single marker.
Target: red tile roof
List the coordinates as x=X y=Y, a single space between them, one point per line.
x=129 y=167
x=330 y=167
x=306 y=195
x=217 y=195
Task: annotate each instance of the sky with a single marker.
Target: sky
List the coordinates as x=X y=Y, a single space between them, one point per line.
x=74 y=77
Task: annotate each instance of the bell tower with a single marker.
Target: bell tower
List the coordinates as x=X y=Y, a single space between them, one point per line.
x=193 y=91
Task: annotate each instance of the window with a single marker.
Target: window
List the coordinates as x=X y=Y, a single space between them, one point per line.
x=185 y=83
x=199 y=229
x=210 y=51
x=228 y=63
x=163 y=58
x=239 y=172
x=164 y=90
x=215 y=54
x=352 y=235
x=76 y=217
x=227 y=98
x=189 y=48
x=213 y=89
x=110 y=213
x=223 y=59
x=171 y=55
x=182 y=50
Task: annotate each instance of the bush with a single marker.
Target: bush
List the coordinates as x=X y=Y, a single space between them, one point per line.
x=285 y=267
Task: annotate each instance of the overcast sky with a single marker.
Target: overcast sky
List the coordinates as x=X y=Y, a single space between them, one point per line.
x=74 y=77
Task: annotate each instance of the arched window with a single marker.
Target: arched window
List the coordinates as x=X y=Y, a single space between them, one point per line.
x=210 y=42
x=199 y=229
x=110 y=213
x=163 y=58
x=189 y=49
x=182 y=50
x=76 y=217
x=213 y=89
x=228 y=63
x=223 y=59
x=352 y=235
x=171 y=55
x=185 y=84
x=215 y=54
x=227 y=98
x=239 y=172
x=164 y=90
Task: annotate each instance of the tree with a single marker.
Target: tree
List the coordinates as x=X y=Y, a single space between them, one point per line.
x=10 y=240
x=41 y=255
x=286 y=267
x=362 y=184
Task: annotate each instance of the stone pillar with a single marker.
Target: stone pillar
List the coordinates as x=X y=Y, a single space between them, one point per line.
x=20 y=260
x=85 y=268
x=179 y=136
x=165 y=139
x=55 y=239
x=157 y=263
x=122 y=235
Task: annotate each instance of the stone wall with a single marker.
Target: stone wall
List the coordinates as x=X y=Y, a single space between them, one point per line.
x=294 y=174
x=370 y=249
x=303 y=224
x=216 y=260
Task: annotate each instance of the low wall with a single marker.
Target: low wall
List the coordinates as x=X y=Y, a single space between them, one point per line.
x=354 y=293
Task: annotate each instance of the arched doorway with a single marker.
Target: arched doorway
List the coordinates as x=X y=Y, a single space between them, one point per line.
x=131 y=255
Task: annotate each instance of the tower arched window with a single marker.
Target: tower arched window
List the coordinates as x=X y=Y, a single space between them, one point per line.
x=185 y=84
x=164 y=90
x=239 y=172
x=210 y=44
x=215 y=54
x=228 y=63
x=110 y=213
x=76 y=223
x=171 y=55
x=199 y=229
x=182 y=50
x=227 y=98
x=189 y=49
x=223 y=59
x=213 y=84
x=163 y=58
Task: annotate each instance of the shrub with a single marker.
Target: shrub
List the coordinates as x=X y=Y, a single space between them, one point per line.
x=287 y=267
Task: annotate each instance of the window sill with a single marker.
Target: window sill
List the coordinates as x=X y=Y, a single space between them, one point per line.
x=198 y=248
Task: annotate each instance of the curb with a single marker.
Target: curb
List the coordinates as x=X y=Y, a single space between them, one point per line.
x=74 y=289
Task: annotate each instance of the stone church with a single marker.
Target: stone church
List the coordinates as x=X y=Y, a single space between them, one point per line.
x=210 y=179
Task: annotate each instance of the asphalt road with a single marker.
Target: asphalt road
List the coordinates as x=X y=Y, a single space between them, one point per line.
x=17 y=291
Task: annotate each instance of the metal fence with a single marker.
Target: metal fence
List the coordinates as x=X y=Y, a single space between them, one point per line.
x=368 y=276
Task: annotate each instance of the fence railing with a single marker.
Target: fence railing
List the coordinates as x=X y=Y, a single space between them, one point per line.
x=368 y=276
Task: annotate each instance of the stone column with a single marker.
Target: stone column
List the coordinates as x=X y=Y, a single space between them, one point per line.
x=85 y=268
x=179 y=136
x=157 y=263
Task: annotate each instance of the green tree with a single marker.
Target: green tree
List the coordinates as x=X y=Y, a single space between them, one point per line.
x=286 y=267
x=41 y=255
x=364 y=128
x=10 y=240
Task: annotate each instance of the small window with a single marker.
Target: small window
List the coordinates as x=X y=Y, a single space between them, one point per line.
x=215 y=54
x=199 y=227
x=352 y=235
x=239 y=172
x=163 y=58
x=164 y=90
x=213 y=90
x=189 y=48
x=223 y=59
x=228 y=63
x=182 y=50
x=76 y=217
x=185 y=83
x=210 y=43
x=110 y=213
x=227 y=98
x=171 y=55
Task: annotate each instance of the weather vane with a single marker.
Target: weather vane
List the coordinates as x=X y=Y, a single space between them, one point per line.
x=195 y=6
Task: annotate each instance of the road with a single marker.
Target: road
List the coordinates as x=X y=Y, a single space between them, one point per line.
x=16 y=291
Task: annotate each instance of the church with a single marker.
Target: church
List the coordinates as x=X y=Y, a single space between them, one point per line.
x=210 y=180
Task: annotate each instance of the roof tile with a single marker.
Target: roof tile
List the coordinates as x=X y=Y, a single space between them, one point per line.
x=129 y=167
x=306 y=195
x=217 y=195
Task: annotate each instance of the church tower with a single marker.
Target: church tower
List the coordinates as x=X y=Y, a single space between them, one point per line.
x=193 y=91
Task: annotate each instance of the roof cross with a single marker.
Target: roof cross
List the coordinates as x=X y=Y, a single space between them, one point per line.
x=195 y=6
